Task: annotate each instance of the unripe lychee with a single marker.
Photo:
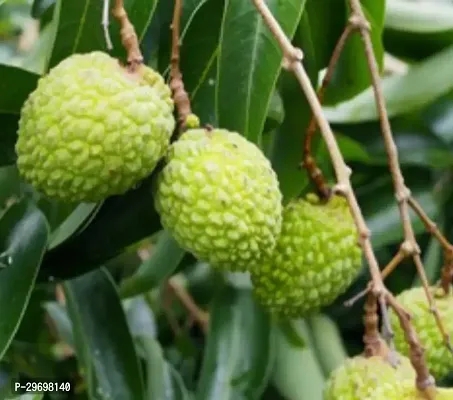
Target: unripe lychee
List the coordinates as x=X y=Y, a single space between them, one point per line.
x=92 y=129
x=437 y=356
x=407 y=390
x=359 y=377
x=219 y=197
x=317 y=257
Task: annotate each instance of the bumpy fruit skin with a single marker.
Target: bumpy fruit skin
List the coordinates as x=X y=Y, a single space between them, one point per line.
x=406 y=390
x=91 y=129
x=219 y=197
x=359 y=378
x=438 y=357
x=316 y=258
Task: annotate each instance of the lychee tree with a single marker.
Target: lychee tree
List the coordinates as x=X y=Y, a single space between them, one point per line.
x=226 y=199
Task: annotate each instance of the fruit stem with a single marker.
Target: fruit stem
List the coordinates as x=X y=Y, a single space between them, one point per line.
x=129 y=37
x=180 y=96
x=309 y=162
x=372 y=337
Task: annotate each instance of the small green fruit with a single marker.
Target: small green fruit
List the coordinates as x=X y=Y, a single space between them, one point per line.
x=92 y=129
x=359 y=378
x=219 y=197
x=317 y=257
x=438 y=357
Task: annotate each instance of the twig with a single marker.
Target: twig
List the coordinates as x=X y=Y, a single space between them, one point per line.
x=129 y=37
x=431 y=227
x=292 y=62
x=105 y=24
x=180 y=96
x=200 y=316
x=425 y=381
x=402 y=193
x=372 y=338
x=309 y=163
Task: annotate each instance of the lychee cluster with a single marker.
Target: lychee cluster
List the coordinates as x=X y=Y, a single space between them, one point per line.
x=92 y=129
x=317 y=257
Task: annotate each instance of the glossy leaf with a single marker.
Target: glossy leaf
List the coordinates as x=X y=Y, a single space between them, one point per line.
x=79 y=30
x=82 y=213
x=327 y=343
x=352 y=74
x=424 y=83
x=15 y=86
x=103 y=341
x=245 y=81
x=164 y=383
x=63 y=323
x=23 y=240
x=39 y=7
x=199 y=59
x=164 y=260
x=297 y=373
x=120 y=221
x=383 y=217
x=239 y=348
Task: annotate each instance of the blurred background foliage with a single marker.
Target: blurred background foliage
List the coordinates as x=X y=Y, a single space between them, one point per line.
x=83 y=292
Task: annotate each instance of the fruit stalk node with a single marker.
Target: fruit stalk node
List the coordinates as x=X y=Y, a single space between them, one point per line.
x=180 y=96
x=129 y=37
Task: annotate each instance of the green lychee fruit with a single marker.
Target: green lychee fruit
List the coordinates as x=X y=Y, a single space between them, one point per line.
x=92 y=129
x=438 y=357
x=219 y=197
x=316 y=258
x=359 y=377
x=406 y=390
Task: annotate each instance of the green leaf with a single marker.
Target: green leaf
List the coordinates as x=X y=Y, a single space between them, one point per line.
x=382 y=216
x=199 y=59
x=351 y=75
x=120 y=221
x=39 y=7
x=23 y=240
x=250 y=63
x=164 y=383
x=424 y=83
x=103 y=341
x=297 y=373
x=15 y=86
x=164 y=260
x=79 y=30
x=82 y=213
x=422 y=17
x=327 y=343
x=320 y=28
x=239 y=348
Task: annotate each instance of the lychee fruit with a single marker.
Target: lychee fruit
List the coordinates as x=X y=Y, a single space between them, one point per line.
x=360 y=377
x=219 y=197
x=92 y=128
x=316 y=258
x=438 y=358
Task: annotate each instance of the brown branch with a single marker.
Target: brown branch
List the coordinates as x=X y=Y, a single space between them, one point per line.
x=180 y=96
x=309 y=162
x=129 y=37
x=425 y=382
x=292 y=61
x=402 y=193
x=431 y=227
x=180 y=292
x=372 y=337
